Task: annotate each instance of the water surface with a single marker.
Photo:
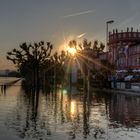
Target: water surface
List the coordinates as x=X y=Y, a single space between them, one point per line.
x=47 y=114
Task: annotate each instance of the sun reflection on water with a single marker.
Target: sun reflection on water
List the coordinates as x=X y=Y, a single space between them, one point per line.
x=73 y=108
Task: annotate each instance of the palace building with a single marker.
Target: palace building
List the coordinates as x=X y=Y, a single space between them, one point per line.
x=124 y=49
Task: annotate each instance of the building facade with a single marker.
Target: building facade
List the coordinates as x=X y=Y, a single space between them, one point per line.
x=124 y=49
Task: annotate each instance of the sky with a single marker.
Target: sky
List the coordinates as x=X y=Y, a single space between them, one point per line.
x=60 y=20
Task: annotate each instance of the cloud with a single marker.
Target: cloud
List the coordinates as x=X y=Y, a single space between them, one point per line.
x=78 y=14
x=81 y=35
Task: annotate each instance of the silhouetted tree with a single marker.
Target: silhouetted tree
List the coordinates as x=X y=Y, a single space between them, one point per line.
x=106 y=70
x=29 y=58
x=59 y=61
x=86 y=53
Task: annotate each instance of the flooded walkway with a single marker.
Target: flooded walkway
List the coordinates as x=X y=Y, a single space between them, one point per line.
x=8 y=80
x=51 y=114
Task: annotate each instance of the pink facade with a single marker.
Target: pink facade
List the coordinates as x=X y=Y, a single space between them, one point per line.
x=134 y=56
x=124 y=49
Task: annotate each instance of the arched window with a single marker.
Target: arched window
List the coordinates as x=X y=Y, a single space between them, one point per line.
x=121 y=60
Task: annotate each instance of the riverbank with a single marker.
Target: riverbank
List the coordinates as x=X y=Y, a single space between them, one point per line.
x=120 y=91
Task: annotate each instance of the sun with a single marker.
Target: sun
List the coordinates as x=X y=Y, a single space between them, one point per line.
x=71 y=50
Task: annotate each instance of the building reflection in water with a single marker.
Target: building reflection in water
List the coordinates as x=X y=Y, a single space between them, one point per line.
x=48 y=113
x=125 y=110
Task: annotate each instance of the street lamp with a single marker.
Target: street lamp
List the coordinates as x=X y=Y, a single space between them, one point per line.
x=107 y=23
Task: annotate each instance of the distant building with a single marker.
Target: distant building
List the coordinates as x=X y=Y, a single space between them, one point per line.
x=9 y=73
x=4 y=72
x=124 y=49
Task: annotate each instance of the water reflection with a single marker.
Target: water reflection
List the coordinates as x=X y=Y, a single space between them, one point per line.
x=125 y=110
x=60 y=114
x=73 y=108
x=26 y=115
x=3 y=89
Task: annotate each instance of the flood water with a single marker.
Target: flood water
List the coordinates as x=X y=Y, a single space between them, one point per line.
x=60 y=115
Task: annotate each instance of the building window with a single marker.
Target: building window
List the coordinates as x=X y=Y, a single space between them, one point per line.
x=134 y=50
x=138 y=48
x=124 y=35
x=121 y=61
x=119 y=35
x=138 y=61
x=129 y=50
x=133 y=61
x=130 y=61
x=134 y=34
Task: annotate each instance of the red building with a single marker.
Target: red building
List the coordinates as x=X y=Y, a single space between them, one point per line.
x=124 y=49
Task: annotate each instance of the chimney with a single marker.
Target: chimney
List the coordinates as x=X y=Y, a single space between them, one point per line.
x=113 y=31
x=131 y=29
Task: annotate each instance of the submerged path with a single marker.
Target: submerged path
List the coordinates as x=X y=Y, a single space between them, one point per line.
x=9 y=81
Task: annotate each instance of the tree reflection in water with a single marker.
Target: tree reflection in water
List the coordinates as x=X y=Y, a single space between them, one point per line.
x=47 y=113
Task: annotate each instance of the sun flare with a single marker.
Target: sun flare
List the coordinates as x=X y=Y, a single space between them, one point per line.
x=71 y=51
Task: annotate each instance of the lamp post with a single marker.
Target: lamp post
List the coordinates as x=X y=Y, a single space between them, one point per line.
x=107 y=23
